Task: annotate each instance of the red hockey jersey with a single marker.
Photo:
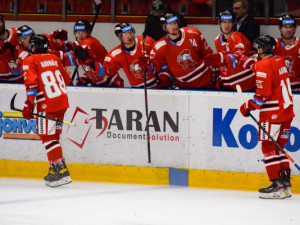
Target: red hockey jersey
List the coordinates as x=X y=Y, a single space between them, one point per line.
x=273 y=94
x=96 y=47
x=10 y=73
x=45 y=80
x=121 y=58
x=184 y=59
x=230 y=77
x=291 y=55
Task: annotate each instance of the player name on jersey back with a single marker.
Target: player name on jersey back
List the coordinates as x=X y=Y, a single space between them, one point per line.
x=49 y=63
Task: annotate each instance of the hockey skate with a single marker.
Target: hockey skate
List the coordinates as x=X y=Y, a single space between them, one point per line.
x=286 y=179
x=52 y=171
x=58 y=175
x=274 y=191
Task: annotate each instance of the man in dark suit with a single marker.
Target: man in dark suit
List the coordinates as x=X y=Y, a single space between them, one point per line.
x=245 y=23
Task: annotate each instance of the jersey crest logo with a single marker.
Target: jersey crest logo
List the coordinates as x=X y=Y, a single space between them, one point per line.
x=185 y=59
x=289 y=63
x=136 y=69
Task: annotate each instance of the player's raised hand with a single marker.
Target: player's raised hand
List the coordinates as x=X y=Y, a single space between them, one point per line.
x=59 y=34
x=214 y=59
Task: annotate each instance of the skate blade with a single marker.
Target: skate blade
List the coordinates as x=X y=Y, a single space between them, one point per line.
x=273 y=195
x=63 y=181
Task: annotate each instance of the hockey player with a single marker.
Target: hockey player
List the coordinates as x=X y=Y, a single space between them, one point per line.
x=24 y=33
x=8 y=42
x=45 y=81
x=288 y=46
x=129 y=55
x=230 y=45
x=97 y=53
x=182 y=51
x=274 y=99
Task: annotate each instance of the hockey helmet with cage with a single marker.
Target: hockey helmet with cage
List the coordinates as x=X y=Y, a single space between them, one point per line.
x=40 y=42
x=168 y=18
x=266 y=43
x=83 y=25
x=287 y=20
x=122 y=28
x=24 y=31
x=227 y=15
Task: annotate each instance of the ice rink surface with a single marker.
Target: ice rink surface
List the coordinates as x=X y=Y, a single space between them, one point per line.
x=25 y=201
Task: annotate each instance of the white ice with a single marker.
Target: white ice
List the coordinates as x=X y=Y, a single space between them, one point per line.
x=30 y=202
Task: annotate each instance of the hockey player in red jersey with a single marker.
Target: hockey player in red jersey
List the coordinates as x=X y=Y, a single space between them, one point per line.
x=273 y=97
x=130 y=54
x=182 y=51
x=229 y=45
x=45 y=80
x=288 y=46
x=97 y=53
x=9 y=72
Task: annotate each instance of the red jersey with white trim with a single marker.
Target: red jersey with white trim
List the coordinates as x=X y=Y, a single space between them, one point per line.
x=185 y=58
x=236 y=44
x=273 y=94
x=45 y=80
x=291 y=55
x=119 y=57
x=96 y=47
x=99 y=54
x=9 y=72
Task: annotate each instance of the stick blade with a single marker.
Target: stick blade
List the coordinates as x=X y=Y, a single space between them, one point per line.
x=240 y=93
x=12 y=102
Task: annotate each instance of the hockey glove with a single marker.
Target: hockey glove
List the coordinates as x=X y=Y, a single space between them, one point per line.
x=83 y=81
x=245 y=61
x=60 y=34
x=144 y=63
x=81 y=53
x=28 y=109
x=7 y=45
x=214 y=59
x=164 y=82
x=247 y=107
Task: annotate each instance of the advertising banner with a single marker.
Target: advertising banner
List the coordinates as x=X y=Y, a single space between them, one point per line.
x=188 y=129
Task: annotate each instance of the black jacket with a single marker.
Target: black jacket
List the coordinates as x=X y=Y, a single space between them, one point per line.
x=250 y=28
x=154 y=29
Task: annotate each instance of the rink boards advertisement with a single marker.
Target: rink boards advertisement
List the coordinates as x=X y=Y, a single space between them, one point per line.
x=199 y=130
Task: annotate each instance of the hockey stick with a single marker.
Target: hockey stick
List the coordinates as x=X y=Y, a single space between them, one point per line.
x=12 y=107
x=98 y=3
x=240 y=94
x=146 y=106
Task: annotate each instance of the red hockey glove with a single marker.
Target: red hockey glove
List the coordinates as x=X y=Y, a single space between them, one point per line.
x=81 y=53
x=245 y=61
x=247 y=107
x=144 y=63
x=164 y=82
x=214 y=59
x=83 y=81
x=28 y=109
x=60 y=34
